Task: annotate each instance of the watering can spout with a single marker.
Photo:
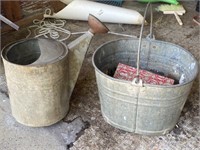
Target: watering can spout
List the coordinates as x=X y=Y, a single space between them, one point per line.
x=79 y=47
x=96 y=27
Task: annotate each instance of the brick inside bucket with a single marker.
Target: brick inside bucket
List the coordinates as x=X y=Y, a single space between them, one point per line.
x=126 y=72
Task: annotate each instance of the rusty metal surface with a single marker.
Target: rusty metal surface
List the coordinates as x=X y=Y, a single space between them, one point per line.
x=143 y=109
x=96 y=25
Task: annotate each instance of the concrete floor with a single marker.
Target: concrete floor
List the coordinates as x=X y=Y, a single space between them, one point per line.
x=84 y=127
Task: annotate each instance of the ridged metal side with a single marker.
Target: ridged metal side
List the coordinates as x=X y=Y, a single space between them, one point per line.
x=146 y=109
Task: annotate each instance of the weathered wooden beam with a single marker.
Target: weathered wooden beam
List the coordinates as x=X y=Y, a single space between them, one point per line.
x=12 y=10
x=57 y=5
x=27 y=20
x=22 y=23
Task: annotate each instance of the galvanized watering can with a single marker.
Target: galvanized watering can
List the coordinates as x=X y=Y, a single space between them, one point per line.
x=137 y=107
x=41 y=75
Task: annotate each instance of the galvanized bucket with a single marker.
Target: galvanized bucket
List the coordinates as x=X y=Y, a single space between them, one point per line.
x=137 y=107
x=36 y=74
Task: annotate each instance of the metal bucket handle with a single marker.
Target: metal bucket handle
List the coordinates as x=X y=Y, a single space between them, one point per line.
x=137 y=80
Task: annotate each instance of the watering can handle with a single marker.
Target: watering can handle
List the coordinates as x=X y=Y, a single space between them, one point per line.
x=137 y=80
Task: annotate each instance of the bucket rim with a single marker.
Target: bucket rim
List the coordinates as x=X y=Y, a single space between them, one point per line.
x=32 y=65
x=145 y=85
